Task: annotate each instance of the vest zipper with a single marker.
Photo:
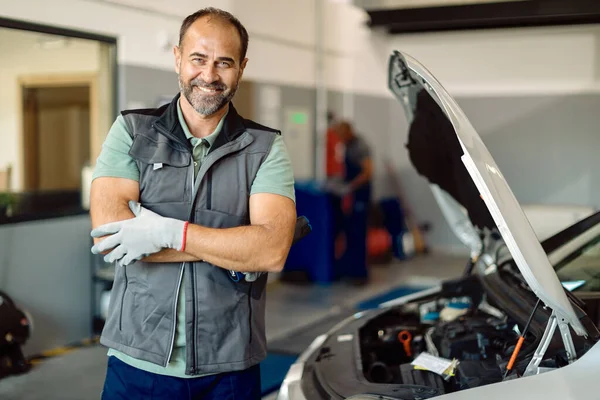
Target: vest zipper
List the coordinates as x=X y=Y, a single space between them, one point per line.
x=173 y=137
x=250 y=312
x=193 y=278
x=175 y=315
x=209 y=190
x=194 y=329
x=193 y=369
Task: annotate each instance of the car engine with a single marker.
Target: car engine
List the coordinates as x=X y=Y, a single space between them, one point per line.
x=477 y=337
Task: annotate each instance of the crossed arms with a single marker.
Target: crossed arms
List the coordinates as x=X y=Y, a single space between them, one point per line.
x=262 y=246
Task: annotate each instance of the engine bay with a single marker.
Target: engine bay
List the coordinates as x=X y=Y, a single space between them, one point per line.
x=474 y=338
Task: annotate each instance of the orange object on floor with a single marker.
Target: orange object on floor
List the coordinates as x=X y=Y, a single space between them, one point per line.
x=379 y=241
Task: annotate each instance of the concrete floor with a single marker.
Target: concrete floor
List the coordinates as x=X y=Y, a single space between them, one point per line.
x=80 y=374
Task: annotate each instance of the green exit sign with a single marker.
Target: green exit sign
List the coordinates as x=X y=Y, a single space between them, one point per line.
x=299 y=118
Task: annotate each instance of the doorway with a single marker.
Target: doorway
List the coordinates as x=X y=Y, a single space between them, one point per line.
x=57 y=125
x=57 y=136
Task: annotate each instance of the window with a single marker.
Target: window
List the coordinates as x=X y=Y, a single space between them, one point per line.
x=56 y=105
x=581 y=271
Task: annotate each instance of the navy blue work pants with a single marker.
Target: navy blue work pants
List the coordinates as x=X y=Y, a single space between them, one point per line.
x=354 y=260
x=126 y=382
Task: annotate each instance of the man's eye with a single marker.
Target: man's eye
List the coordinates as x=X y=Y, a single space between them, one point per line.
x=224 y=64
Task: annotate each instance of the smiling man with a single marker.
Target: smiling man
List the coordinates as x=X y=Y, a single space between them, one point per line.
x=194 y=204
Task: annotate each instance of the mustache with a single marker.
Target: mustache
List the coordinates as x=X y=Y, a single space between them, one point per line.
x=215 y=86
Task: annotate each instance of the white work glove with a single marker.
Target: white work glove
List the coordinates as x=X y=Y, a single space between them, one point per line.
x=133 y=239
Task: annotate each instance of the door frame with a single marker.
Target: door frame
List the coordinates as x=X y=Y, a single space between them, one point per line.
x=56 y=81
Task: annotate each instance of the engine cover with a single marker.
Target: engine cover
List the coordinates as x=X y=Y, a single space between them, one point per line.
x=472 y=338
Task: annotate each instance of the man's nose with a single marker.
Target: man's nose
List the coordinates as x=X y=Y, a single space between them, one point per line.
x=209 y=74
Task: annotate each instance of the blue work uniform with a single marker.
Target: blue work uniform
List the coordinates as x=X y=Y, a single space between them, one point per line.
x=355 y=224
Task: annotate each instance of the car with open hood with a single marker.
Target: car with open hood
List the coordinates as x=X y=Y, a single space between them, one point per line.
x=521 y=322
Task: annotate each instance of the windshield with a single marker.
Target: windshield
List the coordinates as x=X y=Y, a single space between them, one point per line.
x=581 y=270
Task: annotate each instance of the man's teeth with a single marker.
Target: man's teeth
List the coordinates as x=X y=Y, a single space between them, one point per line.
x=207 y=90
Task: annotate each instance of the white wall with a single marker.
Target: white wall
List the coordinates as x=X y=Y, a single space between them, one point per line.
x=21 y=56
x=49 y=276
x=282 y=45
x=282 y=35
x=549 y=60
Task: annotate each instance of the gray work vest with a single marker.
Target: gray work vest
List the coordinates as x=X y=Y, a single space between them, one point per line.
x=225 y=320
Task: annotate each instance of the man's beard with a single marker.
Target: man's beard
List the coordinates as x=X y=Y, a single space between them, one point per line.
x=207 y=104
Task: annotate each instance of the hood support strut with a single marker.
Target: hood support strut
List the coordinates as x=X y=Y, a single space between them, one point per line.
x=534 y=365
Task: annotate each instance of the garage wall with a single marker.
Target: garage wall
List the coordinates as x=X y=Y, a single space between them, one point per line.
x=283 y=43
x=547 y=147
x=45 y=268
x=137 y=93
x=509 y=62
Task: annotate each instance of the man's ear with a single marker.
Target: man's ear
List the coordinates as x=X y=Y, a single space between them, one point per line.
x=177 y=54
x=242 y=67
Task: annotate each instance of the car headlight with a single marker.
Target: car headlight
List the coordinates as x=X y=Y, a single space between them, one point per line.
x=291 y=388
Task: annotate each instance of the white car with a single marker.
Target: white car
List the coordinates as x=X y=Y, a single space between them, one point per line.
x=456 y=340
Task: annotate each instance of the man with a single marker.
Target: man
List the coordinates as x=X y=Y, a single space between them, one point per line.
x=185 y=197
x=334 y=161
x=333 y=155
x=358 y=172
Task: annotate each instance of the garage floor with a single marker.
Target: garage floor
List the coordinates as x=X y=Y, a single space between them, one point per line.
x=290 y=309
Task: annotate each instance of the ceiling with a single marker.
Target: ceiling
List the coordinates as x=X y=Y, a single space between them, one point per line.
x=403 y=4
x=405 y=16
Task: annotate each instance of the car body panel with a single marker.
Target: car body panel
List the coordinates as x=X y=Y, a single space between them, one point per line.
x=574 y=381
x=503 y=206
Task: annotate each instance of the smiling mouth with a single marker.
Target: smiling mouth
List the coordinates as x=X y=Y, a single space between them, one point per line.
x=208 y=90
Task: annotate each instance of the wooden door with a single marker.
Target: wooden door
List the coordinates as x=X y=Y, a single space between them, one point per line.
x=57 y=136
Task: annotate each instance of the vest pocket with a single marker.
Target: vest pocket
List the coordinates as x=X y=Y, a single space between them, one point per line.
x=224 y=310
x=223 y=317
x=123 y=298
x=164 y=170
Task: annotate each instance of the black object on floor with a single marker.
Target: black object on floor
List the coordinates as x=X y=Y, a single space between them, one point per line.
x=14 y=332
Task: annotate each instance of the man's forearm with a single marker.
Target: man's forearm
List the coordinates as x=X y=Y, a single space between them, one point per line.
x=360 y=180
x=108 y=206
x=121 y=212
x=170 y=255
x=253 y=248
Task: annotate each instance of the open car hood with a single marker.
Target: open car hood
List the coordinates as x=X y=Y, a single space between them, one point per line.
x=445 y=148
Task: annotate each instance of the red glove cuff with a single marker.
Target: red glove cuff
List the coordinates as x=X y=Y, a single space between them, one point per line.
x=185 y=228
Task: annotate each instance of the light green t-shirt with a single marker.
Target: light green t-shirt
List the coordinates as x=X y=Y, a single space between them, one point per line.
x=274 y=176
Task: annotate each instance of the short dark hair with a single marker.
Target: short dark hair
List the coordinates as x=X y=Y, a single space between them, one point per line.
x=221 y=14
